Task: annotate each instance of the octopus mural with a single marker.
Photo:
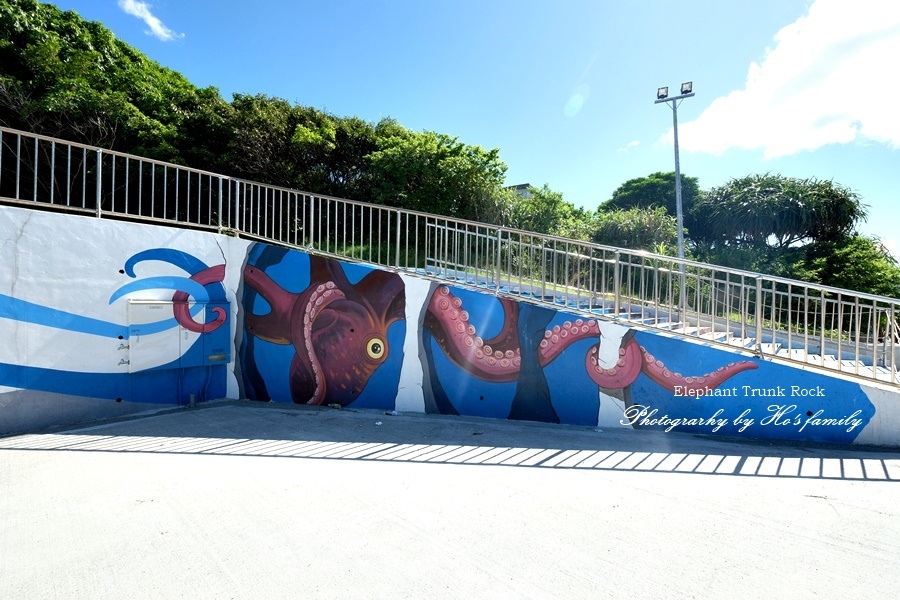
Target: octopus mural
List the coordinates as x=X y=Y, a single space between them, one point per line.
x=204 y=285
x=500 y=358
x=338 y=330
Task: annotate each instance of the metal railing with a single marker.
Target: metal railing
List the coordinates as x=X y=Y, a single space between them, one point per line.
x=830 y=328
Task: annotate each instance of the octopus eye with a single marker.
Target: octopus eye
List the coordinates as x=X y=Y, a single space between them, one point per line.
x=375 y=348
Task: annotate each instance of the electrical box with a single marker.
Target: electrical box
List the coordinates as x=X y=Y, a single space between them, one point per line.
x=158 y=341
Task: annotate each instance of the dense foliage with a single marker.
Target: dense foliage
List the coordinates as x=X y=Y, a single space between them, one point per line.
x=652 y=191
x=66 y=77
x=798 y=228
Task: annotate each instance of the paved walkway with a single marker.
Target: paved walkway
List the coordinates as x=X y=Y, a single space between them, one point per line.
x=268 y=501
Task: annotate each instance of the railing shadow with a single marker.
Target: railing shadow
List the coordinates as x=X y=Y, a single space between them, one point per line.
x=375 y=437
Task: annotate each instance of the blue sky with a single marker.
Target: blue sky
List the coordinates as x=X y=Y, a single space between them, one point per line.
x=566 y=89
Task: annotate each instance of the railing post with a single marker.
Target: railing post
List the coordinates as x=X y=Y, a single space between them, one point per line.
x=220 y=205
x=758 y=315
x=892 y=332
x=237 y=207
x=397 y=263
x=312 y=225
x=543 y=271
x=499 y=242
x=618 y=285
x=99 y=180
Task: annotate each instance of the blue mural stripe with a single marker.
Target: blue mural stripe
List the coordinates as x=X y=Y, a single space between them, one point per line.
x=95 y=385
x=178 y=258
x=29 y=312
x=178 y=284
x=166 y=384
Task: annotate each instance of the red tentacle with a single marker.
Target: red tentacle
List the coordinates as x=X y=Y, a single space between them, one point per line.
x=496 y=360
x=657 y=371
x=625 y=371
x=214 y=274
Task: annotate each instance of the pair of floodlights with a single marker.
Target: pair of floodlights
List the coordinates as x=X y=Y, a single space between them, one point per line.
x=663 y=92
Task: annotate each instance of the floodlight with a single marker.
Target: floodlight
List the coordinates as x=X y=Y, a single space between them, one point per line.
x=662 y=92
x=686 y=87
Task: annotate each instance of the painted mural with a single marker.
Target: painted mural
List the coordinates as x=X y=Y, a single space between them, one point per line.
x=141 y=314
x=494 y=357
x=75 y=354
x=306 y=311
x=528 y=339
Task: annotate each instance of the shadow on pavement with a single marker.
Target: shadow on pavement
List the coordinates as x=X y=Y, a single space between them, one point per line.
x=251 y=429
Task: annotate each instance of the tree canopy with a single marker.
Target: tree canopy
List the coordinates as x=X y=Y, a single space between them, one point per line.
x=654 y=190
x=66 y=77
x=775 y=211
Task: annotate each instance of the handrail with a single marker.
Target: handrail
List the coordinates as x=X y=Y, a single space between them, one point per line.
x=775 y=316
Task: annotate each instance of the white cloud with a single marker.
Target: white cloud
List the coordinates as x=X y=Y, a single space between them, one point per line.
x=828 y=80
x=141 y=10
x=628 y=146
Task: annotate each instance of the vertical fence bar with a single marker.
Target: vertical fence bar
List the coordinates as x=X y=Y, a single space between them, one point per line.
x=208 y=201
x=344 y=230
x=857 y=332
x=894 y=332
x=617 y=286
x=187 y=200
x=397 y=262
x=69 y=175
x=99 y=181
x=235 y=205
x=543 y=270
x=220 y=204
x=165 y=206
x=112 y=185
x=312 y=223
x=822 y=331
x=141 y=187
x=18 y=162
x=499 y=242
x=759 y=314
x=52 y=169
x=35 y=197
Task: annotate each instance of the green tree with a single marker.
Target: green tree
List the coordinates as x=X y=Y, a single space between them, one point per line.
x=544 y=210
x=63 y=76
x=773 y=211
x=655 y=190
x=262 y=145
x=853 y=262
x=651 y=229
x=432 y=172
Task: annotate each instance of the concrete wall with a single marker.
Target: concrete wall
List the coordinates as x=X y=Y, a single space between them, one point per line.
x=101 y=318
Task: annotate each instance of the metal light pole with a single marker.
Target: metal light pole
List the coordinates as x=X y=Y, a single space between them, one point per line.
x=662 y=96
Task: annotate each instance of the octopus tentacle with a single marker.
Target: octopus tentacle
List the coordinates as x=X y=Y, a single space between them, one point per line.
x=272 y=327
x=449 y=325
x=622 y=373
x=499 y=358
x=657 y=371
x=280 y=300
x=183 y=314
x=317 y=301
x=562 y=336
x=508 y=338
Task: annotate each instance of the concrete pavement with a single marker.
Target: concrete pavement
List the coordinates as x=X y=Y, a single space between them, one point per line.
x=242 y=500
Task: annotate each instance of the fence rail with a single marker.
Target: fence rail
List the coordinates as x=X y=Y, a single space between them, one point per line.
x=829 y=328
